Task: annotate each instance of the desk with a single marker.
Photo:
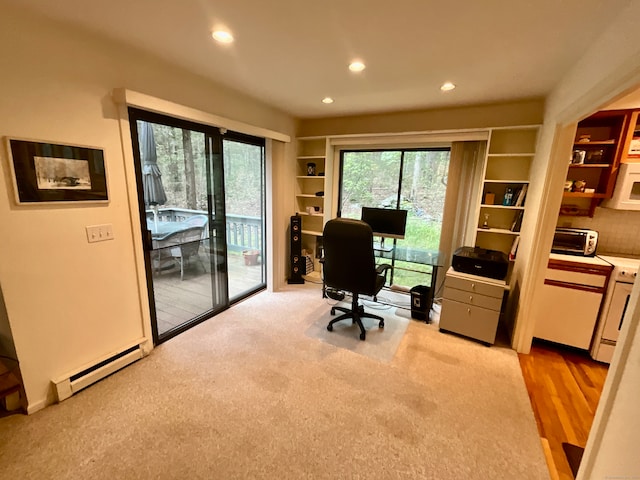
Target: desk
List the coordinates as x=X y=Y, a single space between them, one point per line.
x=421 y=256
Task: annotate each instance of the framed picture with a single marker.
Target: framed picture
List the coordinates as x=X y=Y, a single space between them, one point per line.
x=56 y=173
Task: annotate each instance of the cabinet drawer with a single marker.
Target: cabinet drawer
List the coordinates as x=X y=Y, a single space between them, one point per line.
x=475 y=322
x=472 y=298
x=474 y=286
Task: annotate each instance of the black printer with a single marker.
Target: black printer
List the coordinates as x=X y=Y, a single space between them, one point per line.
x=480 y=261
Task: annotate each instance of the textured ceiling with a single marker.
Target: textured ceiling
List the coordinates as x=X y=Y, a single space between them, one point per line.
x=292 y=53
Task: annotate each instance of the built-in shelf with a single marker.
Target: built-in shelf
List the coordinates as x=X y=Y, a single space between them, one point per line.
x=502 y=231
x=311 y=214
x=511 y=154
x=598 y=142
x=583 y=195
x=506 y=181
x=312 y=232
x=590 y=165
x=506 y=207
x=309 y=195
x=311 y=176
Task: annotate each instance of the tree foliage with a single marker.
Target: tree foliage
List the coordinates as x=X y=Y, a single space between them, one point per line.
x=414 y=180
x=182 y=161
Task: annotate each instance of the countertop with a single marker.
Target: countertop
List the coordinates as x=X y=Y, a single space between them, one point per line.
x=578 y=259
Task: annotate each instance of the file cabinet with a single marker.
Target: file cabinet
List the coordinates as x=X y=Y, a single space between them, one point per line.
x=471 y=305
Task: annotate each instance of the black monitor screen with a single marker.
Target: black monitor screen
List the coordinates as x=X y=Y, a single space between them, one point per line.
x=385 y=222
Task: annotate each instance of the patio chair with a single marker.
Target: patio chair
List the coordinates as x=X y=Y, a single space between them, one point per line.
x=199 y=221
x=180 y=246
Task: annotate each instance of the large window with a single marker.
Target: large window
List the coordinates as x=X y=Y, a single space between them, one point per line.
x=411 y=179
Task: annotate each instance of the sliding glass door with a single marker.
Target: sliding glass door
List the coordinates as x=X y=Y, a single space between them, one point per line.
x=187 y=235
x=244 y=202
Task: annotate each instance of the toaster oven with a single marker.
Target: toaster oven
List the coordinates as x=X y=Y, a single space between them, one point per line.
x=575 y=241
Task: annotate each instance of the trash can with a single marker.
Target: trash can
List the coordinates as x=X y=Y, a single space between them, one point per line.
x=420 y=304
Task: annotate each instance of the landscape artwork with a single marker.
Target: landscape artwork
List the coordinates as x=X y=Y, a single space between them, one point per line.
x=62 y=173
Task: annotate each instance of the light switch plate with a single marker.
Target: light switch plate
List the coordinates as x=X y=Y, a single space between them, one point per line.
x=99 y=233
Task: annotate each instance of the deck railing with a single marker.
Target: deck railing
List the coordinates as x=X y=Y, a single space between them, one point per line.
x=243 y=232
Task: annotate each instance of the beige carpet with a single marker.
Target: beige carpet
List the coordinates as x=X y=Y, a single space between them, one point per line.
x=380 y=344
x=249 y=394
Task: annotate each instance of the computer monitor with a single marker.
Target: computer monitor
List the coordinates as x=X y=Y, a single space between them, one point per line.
x=385 y=222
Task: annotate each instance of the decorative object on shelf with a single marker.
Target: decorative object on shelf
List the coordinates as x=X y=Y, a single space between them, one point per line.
x=311 y=169
x=56 y=173
x=584 y=139
x=517 y=221
x=319 y=194
x=578 y=157
x=489 y=198
x=508 y=196
x=579 y=185
x=568 y=185
x=520 y=196
x=594 y=156
x=485 y=224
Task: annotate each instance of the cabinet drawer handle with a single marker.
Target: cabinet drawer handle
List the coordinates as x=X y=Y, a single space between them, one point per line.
x=471 y=298
x=468 y=311
x=473 y=286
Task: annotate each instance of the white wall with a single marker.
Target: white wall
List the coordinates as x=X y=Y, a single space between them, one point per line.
x=69 y=302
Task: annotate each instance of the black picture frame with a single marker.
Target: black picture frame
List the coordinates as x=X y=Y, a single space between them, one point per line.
x=53 y=173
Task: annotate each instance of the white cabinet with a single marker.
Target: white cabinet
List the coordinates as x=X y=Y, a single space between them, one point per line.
x=471 y=305
x=568 y=307
x=508 y=162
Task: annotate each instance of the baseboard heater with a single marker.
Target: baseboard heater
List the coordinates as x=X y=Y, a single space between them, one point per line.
x=74 y=382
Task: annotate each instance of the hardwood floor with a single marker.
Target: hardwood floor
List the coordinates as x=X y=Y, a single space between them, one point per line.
x=564 y=386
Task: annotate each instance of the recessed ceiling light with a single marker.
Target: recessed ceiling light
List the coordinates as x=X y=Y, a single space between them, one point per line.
x=447 y=87
x=356 y=66
x=222 y=36
x=327 y=100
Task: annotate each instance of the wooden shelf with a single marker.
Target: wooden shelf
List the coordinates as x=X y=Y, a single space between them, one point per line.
x=600 y=142
x=309 y=195
x=310 y=176
x=590 y=165
x=312 y=232
x=311 y=157
x=583 y=195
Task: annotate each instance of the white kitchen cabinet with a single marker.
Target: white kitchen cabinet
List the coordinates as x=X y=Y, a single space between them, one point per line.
x=571 y=315
x=570 y=300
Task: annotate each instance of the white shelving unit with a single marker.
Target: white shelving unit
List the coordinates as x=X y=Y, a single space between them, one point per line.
x=507 y=164
x=311 y=195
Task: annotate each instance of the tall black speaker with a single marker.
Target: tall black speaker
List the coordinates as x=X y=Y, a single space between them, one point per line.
x=298 y=264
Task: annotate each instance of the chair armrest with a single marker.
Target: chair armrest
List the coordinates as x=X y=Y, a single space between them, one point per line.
x=382 y=269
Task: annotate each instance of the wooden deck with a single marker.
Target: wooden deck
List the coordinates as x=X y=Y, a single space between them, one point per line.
x=178 y=301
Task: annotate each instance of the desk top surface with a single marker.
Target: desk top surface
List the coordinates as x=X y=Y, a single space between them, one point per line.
x=410 y=254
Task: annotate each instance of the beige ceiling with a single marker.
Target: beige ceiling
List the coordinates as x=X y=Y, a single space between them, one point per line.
x=292 y=53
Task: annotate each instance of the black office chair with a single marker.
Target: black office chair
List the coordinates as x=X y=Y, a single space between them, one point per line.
x=349 y=265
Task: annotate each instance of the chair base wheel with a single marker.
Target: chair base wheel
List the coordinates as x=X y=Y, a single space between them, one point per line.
x=381 y=324
x=330 y=328
x=333 y=311
x=363 y=336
